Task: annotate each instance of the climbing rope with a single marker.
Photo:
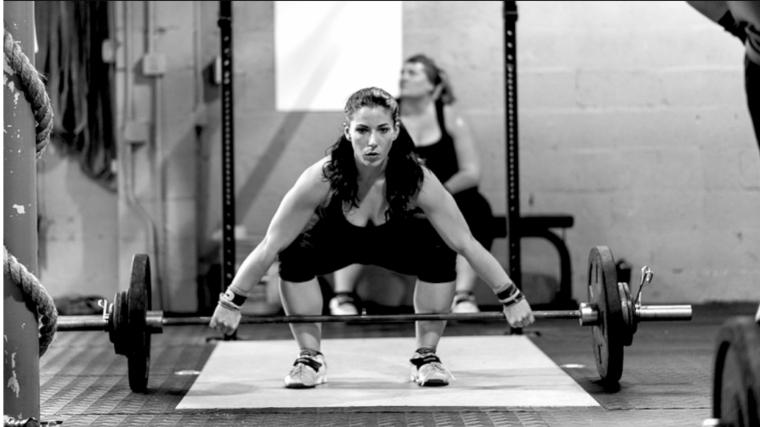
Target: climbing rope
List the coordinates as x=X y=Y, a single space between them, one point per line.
x=33 y=88
x=15 y=422
x=35 y=296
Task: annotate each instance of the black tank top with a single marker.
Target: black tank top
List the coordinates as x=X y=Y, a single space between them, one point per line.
x=441 y=156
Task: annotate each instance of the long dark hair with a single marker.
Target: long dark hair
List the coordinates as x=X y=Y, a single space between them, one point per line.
x=403 y=173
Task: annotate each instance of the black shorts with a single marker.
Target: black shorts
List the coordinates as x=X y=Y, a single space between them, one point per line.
x=408 y=246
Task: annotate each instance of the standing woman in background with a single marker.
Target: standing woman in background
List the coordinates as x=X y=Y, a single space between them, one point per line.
x=445 y=145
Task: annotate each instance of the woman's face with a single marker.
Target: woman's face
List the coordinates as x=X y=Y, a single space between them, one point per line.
x=414 y=81
x=371 y=132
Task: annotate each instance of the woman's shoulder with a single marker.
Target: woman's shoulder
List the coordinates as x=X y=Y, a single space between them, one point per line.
x=428 y=178
x=452 y=114
x=431 y=189
x=320 y=164
x=456 y=125
x=316 y=167
x=313 y=178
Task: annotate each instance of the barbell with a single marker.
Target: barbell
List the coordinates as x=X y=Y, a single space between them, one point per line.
x=610 y=312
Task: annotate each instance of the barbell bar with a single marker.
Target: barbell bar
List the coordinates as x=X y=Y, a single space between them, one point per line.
x=610 y=312
x=586 y=316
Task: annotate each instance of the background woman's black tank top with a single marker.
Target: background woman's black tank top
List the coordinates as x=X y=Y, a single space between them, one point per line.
x=440 y=157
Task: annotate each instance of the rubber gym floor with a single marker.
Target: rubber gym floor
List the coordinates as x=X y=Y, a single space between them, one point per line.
x=666 y=380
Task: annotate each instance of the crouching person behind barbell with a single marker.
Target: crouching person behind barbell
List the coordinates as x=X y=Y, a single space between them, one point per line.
x=368 y=202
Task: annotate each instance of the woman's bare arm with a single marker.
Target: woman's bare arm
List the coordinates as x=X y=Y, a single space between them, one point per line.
x=443 y=213
x=468 y=158
x=294 y=212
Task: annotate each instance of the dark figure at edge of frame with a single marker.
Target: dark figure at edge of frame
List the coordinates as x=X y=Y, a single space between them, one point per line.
x=742 y=19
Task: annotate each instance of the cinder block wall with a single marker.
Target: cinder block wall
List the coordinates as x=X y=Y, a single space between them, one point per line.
x=632 y=119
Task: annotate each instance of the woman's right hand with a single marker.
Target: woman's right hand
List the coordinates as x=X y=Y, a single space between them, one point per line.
x=519 y=314
x=225 y=319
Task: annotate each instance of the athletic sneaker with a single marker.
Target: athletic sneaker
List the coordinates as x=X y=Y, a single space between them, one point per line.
x=464 y=302
x=428 y=371
x=343 y=305
x=308 y=371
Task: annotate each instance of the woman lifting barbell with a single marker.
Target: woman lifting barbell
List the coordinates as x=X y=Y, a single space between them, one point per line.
x=368 y=202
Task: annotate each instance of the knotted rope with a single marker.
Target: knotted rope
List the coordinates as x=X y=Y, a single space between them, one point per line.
x=25 y=422
x=33 y=88
x=35 y=295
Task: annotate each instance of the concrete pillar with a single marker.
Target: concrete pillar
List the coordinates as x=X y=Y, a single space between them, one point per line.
x=21 y=373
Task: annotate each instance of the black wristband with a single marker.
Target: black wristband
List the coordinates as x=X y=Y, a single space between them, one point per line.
x=507 y=293
x=517 y=299
x=228 y=304
x=510 y=296
x=235 y=298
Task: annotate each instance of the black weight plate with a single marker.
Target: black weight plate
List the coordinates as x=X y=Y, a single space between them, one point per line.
x=112 y=332
x=608 y=333
x=120 y=334
x=629 y=314
x=736 y=379
x=139 y=296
